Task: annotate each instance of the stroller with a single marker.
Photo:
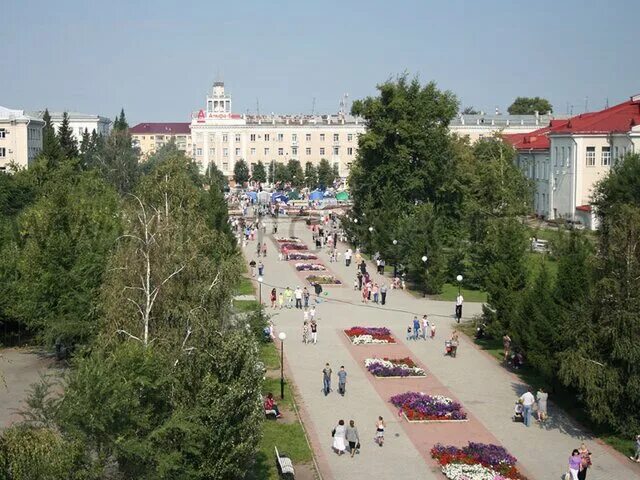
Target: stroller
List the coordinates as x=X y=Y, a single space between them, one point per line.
x=450 y=348
x=518 y=413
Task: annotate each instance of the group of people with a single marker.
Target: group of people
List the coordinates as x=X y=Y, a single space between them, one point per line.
x=421 y=328
x=371 y=290
x=287 y=298
x=348 y=435
x=528 y=402
x=579 y=463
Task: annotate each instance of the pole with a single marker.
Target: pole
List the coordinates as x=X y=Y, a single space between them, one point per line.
x=282 y=369
x=260 y=295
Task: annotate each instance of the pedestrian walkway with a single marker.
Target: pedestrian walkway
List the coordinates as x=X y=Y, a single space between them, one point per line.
x=485 y=389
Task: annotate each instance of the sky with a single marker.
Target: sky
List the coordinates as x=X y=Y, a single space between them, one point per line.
x=158 y=59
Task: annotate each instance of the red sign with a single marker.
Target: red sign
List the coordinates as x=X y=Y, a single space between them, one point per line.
x=201 y=116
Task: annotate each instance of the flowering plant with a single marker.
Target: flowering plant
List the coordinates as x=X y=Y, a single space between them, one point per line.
x=485 y=458
x=310 y=266
x=301 y=256
x=419 y=406
x=368 y=335
x=323 y=279
x=293 y=246
x=394 y=367
x=288 y=240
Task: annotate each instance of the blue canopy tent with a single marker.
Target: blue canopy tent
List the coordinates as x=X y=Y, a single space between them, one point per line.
x=252 y=195
x=316 y=195
x=279 y=197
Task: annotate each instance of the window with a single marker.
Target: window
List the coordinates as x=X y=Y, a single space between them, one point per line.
x=225 y=152
x=322 y=137
x=322 y=151
x=3 y=152
x=616 y=155
x=350 y=137
x=225 y=166
x=591 y=156
x=280 y=151
x=556 y=157
x=3 y=133
x=266 y=137
x=336 y=150
x=151 y=137
x=294 y=150
x=605 y=156
x=336 y=137
x=225 y=137
x=294 y=137
x=237 y=152
x=544 y=201
x=212 y=152
x=266 y=151
x=253 y=151
x=252 y=137
x=307 y=137
x=349 y=151
x=237 y=137
x=198 y=151
x=280 y=137
x=308 y=151
x=562 y=159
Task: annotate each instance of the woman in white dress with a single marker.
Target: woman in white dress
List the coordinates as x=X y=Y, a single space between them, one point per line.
x=338 y=438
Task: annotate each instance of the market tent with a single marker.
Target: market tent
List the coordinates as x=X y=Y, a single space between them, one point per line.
x=279 y=197
x=316 y=195
x=342 y=196
x=252 y=195
x=264 y=197
x=293 y=195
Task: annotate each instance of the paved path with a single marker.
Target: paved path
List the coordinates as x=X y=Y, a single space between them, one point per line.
x=485 y=389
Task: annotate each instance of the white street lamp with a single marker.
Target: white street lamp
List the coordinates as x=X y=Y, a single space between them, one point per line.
x=395 y=242
x=424 y=258
x=371 y=229
x=355 y=220
x=459 y=278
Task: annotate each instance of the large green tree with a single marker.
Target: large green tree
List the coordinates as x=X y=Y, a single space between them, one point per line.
x=66 y=138
x=50 y=144
x=529 y=106
x=326 y=175
x=241 y=172
x=295 y=173
x=117 y=160
x=310 y=175
x=259 y=173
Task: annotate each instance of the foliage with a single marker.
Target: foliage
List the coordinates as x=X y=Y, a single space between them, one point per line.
x=120 y=123
x=620 y=186
x=470 y=110
x=326 y=175
x=295 y=173
x=529 y=106
x=51 y=149
x=310 y=175
x=66 y=138
x=259 y=173
x=241 y=172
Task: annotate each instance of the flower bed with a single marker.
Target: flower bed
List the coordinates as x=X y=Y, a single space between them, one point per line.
x=369 y=335
x=420 y=407
x=310 y=266
x=288 y=240
x=393 y=367
x=301 y=256
x=323 y=279
x=476 y=461
x=293 y=246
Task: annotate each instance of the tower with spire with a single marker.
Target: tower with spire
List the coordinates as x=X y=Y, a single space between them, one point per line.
x=219 y=102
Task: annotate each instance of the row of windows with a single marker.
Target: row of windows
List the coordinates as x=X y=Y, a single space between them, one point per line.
x=253 y=151
x=278 y=137
x=605 y=155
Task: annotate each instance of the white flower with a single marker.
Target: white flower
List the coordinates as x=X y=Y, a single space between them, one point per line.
x=462 y=471
x=365 y=339
x=386 y=363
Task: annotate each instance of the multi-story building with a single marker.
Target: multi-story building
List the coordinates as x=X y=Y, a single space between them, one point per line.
x=79 y=122
x=20 y=138
x=222 y=137
x=479 y=126
x=567 y=158
x=149 y=137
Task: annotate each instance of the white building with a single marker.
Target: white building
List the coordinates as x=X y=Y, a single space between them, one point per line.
x=221 y=137
x=79 y=122
x=566 y=159
x=479 y=126
x=20 y=138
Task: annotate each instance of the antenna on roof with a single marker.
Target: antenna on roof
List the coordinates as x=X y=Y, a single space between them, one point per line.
x=586 y=104
x=343 y=104
x=313 y=106
x=257 y=106
x=606 y=103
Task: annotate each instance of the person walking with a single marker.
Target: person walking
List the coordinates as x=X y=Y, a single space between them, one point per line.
x=359 y=276
x=363 y=267
x=585 y=454
x=305 y=297
x=353 y=438
x=425 y=326
x=258 y=249
x=575 y=462
x=264 y=249
x=459 y=302
x=314 y=331
x=358 y=258
x=288 y=296
x=383 y=293
x=380 y=426
x=541 y=397
x=312 y=313
x=317 y=288
x=326 y=378
x=305 y=332
x=273 y=298
x=339 y=434
x=636 y=457
x=347 y=257
x=527 y=403
x=506 y=344
x=342 y=380
x=260 y=268
x=416 y=328
x=281 y=300
x=252 y=265
x=375 y=290
x=298 y=294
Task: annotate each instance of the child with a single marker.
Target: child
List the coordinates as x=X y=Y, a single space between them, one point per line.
x=355 y=284
x=305 y=332
x=281 y=300
x=409 y=332
x=433 y=330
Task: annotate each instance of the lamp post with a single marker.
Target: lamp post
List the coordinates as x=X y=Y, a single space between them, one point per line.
x=371 y=239
x=459 y=279
x=424 y=260
x=395 y=258
x=282 y=336
x=260 y=280
x=458 y=300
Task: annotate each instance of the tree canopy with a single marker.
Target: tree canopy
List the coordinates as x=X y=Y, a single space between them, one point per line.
x=241 y=172
x=529 y=106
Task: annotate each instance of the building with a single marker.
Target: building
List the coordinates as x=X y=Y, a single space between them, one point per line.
x=223 y=138
x=479 y=126
x=20 y=138
x=79 y=122
x=568 y=157
x=149 y=137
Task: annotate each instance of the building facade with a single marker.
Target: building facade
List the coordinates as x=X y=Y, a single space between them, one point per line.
x=149 y=137
x=566 y=159
x=79 y=122
x=479 y=126
x=20 y=138
x=222 y=138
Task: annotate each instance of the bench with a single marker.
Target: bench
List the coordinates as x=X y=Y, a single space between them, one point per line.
x=270 y=414
x=285 y=467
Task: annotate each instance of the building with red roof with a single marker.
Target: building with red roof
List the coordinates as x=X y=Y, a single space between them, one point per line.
x=567 y=158
x=149 y=137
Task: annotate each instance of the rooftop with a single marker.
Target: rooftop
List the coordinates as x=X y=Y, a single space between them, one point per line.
x=504 y=120
x=57 y=116
x=12 y=114
x=174 y=128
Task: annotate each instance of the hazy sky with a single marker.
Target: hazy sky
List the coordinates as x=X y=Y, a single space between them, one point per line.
x=157 y=59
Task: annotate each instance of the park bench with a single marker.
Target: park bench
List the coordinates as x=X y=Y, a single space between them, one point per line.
x=285 y=467
x=270 y=414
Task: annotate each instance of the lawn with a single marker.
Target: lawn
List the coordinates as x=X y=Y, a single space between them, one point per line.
x=246 y=287
x=450 y=292
x=245 y=306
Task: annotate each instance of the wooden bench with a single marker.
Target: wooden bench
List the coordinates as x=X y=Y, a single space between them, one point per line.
x=270 y=414
x=285 y=466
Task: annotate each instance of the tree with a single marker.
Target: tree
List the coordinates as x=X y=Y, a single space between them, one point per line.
x=470 y=110
x=120 y=123
x=620 y=186
x=259 y=173
x=325 y=174
x=295 y=173
x=529 y=106
x=336 y=172
x=66 y=139
x=51 y=149
x=241 y=172
x=310 y=175
x=117 y=160
x=85 y=144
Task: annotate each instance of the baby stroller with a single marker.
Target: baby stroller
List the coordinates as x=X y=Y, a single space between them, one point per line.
x=518 y=410
x=450 y=348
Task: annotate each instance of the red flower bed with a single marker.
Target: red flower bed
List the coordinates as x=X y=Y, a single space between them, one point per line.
x=378 y=333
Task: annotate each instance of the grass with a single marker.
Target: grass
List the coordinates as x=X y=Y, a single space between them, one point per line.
x=246 y=287
x=245 y=306
x=450 y=292
x=561 y=396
